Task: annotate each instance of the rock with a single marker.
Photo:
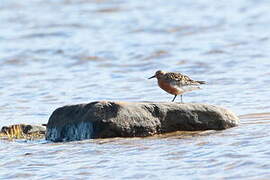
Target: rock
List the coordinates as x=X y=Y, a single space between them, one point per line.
x=118 y=119
x=23 y=128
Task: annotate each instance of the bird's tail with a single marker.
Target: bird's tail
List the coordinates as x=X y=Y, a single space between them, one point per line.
x=201 y=82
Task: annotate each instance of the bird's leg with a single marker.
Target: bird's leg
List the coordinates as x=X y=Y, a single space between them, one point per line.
x=174 y=98
x=181 y=98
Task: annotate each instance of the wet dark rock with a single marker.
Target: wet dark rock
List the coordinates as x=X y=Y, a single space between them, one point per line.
x=118 y=119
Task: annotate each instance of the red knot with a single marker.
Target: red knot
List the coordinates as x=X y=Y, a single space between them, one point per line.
x=176 y=83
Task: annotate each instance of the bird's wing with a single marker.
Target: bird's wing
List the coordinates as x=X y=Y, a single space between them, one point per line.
x=180 y=79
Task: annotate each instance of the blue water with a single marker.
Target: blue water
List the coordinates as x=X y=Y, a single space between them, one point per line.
x=54 y=53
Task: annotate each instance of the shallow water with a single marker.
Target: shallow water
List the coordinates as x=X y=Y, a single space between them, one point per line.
x=54 y=53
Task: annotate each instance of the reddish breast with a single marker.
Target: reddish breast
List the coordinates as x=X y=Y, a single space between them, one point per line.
x=168 y=88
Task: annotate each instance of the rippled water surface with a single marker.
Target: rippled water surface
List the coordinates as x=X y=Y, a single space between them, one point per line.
x=54 y=53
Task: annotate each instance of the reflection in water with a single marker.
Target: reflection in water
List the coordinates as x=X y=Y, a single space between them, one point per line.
x=55 y=53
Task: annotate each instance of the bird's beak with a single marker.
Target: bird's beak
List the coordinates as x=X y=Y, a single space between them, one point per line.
x=152 y=77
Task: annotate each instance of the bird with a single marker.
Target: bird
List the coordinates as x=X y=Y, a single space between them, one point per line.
x=176 y=83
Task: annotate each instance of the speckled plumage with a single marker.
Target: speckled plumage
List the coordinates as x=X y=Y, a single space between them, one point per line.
x=180 y=79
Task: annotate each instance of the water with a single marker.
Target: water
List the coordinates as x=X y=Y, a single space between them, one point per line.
x=54 y=53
